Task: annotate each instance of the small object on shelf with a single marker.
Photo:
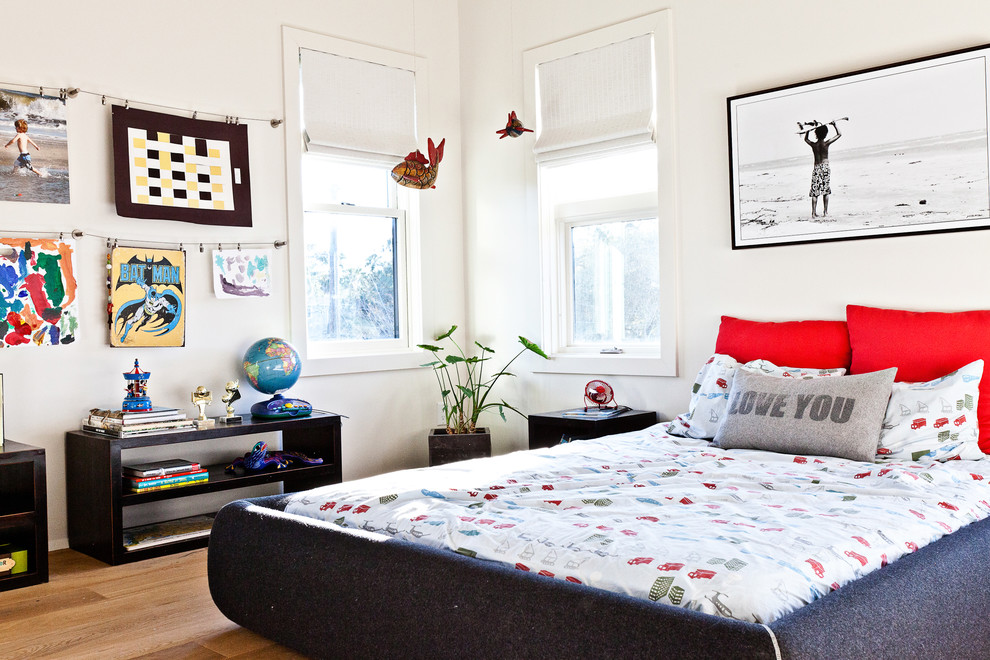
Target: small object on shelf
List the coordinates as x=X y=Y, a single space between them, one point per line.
x=202 y=397
x=259 y=459
x=137 y=389
x=13 y=559
x=232 y=393
x=513 y=127
x=272 y=366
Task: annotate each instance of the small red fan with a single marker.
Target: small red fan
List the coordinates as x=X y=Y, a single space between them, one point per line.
x=598 y=393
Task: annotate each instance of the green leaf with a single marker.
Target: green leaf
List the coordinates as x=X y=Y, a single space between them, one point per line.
x=454 y=359
x=432 y=364
x=466 y=391
x=484 y=348
x=448 y=333
x=429 y=347
x=533 y=347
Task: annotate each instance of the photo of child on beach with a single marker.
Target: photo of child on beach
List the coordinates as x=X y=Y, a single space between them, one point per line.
x=913 y=155
x=34 y=165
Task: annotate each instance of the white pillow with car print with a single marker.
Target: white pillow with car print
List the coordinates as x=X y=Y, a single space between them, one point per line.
x=934 y=421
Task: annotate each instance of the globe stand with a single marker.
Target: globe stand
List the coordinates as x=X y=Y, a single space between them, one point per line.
x=279 y=407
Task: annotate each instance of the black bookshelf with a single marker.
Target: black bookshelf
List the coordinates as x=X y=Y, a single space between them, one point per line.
x=96 y=497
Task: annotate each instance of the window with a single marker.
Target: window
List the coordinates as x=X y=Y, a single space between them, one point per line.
x=603 y=158
x=354 y=283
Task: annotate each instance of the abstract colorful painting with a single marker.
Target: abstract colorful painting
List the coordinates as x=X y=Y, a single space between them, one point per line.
x=175 y=168
x=147 y=297
x=34 y=166
x=242 y=273
x=38 y=305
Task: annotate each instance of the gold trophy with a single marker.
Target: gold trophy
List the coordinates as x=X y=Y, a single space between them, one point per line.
x=201 y=397
x=232 y=394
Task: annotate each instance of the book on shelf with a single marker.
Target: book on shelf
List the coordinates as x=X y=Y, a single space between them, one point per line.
x=596 y=413
x=165 y=467
x=127 y=417
x=138 y=429
x=147 y=536
x=140 y=483
x=150 y=488
x=170 y=475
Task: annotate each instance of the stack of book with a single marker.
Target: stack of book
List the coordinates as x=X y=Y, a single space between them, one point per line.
x=148 y=536
x=592 y=412
x=127 y=423
x=159 y=475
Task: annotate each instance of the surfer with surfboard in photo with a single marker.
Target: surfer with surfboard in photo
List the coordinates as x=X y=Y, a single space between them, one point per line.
x=821 y=175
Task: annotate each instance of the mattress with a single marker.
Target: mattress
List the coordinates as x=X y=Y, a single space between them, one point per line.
x=742 y=534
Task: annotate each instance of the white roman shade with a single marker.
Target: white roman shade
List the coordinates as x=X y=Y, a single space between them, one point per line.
x=355 y=108
x=596 y=100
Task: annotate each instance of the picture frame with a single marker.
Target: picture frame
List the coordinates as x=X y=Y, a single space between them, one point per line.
x=904 y=151
x=177 y=168
x=1 y=411
x=40 y=274
x=147 y=297
x=36 y=148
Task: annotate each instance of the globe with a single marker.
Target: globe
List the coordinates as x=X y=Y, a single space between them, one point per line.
x=272 y=365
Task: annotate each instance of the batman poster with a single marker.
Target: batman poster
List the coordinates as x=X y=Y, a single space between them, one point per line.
x=147 y=297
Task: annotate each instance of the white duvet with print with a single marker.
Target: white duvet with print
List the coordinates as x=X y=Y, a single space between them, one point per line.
x=745 y=534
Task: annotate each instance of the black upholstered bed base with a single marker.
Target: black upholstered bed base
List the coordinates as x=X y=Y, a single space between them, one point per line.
x=333 y=593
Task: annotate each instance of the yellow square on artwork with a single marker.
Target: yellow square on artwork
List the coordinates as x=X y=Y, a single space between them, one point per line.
x=190 y=150
x=165 y=160
x=215 y=170
x=218 y=204
x=140 y=162
x=213 y=153
x=166 y=183
x=142 y=199
x=192 y=185
x=140 y=180
x=218 y=187
x=194 y=203
x=139 y=143
x=163 y=137
x=168 y=201
x=191 y=168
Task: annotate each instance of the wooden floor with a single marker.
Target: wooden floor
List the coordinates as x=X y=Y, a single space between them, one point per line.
x=153 y=609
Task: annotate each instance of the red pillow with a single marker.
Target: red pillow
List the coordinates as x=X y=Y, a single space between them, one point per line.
x=923 y=346
x=815 y=344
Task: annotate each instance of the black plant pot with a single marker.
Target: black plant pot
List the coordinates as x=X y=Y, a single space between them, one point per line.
x=449 y=447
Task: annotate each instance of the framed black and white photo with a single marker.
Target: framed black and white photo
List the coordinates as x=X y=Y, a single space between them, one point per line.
x=894 y=150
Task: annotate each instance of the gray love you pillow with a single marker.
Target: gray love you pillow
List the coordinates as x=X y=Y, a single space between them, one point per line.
x=820 y=417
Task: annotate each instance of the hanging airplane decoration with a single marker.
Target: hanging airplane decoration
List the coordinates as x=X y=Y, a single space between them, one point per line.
x=513 y=127
x=416 y=171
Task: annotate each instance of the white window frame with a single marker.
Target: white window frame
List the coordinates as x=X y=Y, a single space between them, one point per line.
x=658 y=361
x=362 y=356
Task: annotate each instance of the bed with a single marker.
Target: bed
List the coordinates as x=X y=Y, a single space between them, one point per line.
x=323 y=572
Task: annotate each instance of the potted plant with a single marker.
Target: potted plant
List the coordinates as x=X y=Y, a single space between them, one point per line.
x=465 y=391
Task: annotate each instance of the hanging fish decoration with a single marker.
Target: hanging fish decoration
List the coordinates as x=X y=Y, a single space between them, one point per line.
x=513 y=127
x=416 y=171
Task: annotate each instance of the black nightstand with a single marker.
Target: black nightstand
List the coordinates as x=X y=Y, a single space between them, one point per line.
x=547 y=429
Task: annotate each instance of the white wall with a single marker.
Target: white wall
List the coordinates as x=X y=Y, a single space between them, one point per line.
x=222 y=56
x=721 y=48
x=479 y=235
